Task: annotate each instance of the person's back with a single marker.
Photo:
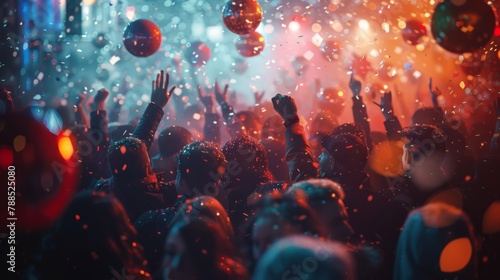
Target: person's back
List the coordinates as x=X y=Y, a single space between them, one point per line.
x=247 y=168
x=198 y=249
x=437 y=242
x=92 y=240
x=133 y=181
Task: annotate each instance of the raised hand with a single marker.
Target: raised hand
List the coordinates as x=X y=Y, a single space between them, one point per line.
x=220 y=96
x=286 y=107
x=206 y=99
x=354 y=85
x=258 y=96
x=100 y=99
x=80 y=99
x=386 y=105
x=434 y=92
x=159 y=89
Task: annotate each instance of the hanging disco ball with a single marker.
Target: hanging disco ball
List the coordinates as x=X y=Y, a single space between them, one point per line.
x=463 y=26
x=242 y=16
x=142 y=38
x=250 y=45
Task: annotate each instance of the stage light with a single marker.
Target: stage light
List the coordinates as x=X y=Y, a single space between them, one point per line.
x=364 y=25
x=294 y=26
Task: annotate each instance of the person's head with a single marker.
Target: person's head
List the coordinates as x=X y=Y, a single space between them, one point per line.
x=303 y=257
x=129 y=161
x=437 y=242
x=424 y=146
x=207 y=208
x=198 y=250
x=342 y=152
x=251 y=123
x=279 y=217
x=173 y=139
x=94 y=238
x=247 y=160
x=350 y=128
x=427 y=116
x=201 y=166
x=273 y=128
x=326 y=198
x=118 y=131
x=321 y=125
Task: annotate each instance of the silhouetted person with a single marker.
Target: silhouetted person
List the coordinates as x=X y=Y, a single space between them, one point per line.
x=198 y=250
x=170 y=142
x=92 y=240
x=437 y=242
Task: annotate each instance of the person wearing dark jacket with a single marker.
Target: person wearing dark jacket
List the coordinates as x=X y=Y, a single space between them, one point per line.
x=133 y=180
x=342 y=160
x=201 y=167
x=246 y=170
x=93 y=239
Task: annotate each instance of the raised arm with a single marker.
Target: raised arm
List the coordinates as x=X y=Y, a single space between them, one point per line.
x=221 y=97
x=99 y=132
x=211 y=129
x=359 y=109
x=234 y=126
x=298 y=153
x=435 y=93
x=392 y=125
x=151 y=118
x=81 y=117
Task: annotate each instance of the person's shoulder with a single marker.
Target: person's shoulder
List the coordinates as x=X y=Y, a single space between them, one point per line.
x=158 y=219
x=102 y=185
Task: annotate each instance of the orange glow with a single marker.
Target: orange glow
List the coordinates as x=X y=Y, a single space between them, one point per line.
x=491 y=219
x=385 y=158
x=19 y=143
x=65 y=147
x=456 y=255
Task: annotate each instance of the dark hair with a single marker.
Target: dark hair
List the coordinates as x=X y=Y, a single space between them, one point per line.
x=249 y=154
x=92 y=240
x=350 y=128
x=246 y=168
x=251 y=122
x=118 y=132
x=201 y=164
x=427 y=116
x=173 y=139
x=348 y=150
x=318 y=191
x=273 y=128
x=291 y=210
x=205 y=207
x=213 y=256
x=129 y=160
x=421 y=136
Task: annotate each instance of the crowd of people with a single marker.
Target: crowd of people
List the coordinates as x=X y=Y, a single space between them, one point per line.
x=277 y=200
